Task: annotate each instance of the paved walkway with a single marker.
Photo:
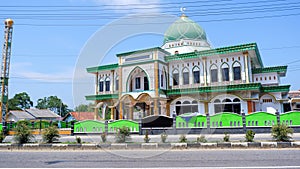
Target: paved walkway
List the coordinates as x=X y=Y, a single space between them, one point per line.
x=92 y=138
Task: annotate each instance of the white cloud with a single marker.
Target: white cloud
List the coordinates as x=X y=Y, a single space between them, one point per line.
x=131 y=6
x=22 y=70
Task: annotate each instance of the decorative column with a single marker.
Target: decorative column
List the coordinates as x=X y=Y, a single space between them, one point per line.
x=112 y=87
x=206 y=108
x=246 y=54
x=97 y=83
x=120 y=91
x=112 y=113
x=204 y=71
x=168 y=108
x=156 y=87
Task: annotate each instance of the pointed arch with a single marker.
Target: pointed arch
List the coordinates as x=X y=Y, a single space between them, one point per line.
x=107 y=83
x=101 y=84
x=186 y=76
x=117 y=83
x=196 y=74
x=213 y=73
x=175 y=77
x=225 y=72
x=236 y=70
x=129 y=84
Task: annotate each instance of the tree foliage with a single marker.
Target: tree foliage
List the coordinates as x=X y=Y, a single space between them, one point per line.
x=85 y=107
x=122 y=134
x=23 y=132
x=282 y=132
x=51 y=134
x=53 y=103
x=20 y=101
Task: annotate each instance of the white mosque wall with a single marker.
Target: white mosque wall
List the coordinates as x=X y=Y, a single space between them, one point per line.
x=266 y=78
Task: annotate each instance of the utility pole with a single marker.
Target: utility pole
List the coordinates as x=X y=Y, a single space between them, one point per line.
x=6 y=52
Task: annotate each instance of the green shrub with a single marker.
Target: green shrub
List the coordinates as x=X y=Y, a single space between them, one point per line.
x=163 y=137
x=250 y=135
x=226 y=137
x=23 y=132
x=281 y=132
x=147 y=138
x=51 y=134
x=103 y=137
x=182 y=139
x=78 y=140
x=201 y=139
x=122 y=135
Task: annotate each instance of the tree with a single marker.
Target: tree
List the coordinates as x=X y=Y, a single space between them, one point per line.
x=51 y=134
x=281 y=132
x=85 y=107
x=53 y=103
x=23 y=132
x=20 y=101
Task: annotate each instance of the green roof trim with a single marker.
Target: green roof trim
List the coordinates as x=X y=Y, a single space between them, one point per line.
x=217 y=51
x=142 y=51
x=283 y=88
x=279 y=69
x=102 y=97
x=102 y=68
x=211 y=89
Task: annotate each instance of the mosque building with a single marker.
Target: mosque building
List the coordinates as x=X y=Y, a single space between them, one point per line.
x=187 y=75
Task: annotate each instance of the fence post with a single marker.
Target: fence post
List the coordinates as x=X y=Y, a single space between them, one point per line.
x=244 y=121
x=140 y=124
x=208 y=123
x=72 y=128
x=174 y=122
x=106 y=126
x=278 y=117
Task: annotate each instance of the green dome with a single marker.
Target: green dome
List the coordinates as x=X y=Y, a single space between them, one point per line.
x=184 y=28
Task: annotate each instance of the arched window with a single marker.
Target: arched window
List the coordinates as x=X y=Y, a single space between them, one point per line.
x=196 y=74
x=175 y=77
x=101 y=85
x=214 y=73
x=227 y=105
x=117 y=83
x=236 y=71
x=194 y=106
x=185 y=75
x=107 y=84
x=225 y=72
x=178 y=107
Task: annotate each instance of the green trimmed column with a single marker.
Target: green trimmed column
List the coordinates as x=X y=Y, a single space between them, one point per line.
x=246 y=54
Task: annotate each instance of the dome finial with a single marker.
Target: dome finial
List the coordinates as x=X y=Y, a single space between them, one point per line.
x=182 y=9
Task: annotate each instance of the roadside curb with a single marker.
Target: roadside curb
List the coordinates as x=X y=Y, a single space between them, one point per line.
x=123 y=146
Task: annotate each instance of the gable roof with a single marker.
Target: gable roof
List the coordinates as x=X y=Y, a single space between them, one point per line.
x=21 y=114
x=42 y=113
x=80 y=116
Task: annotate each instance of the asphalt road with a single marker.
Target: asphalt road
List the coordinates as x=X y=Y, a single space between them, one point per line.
x=275 y=158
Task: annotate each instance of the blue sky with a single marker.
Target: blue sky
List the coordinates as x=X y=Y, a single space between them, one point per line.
x=50 y=35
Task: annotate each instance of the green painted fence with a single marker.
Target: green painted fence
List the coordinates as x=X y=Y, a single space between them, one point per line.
x=261 y=119
x=1 y=128
x=132 y=125
x=226 y=120
x=198 y=122
x=290 y=118
x=181 y=123
x=89 y=126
